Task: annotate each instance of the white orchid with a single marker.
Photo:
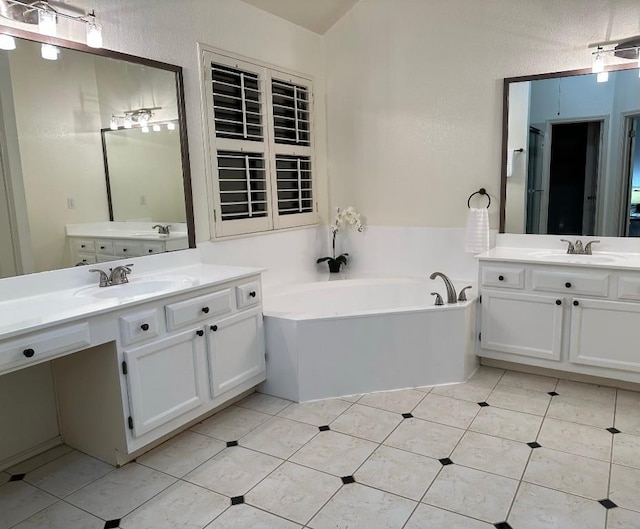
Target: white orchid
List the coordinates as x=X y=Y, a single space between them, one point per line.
x=348 y=216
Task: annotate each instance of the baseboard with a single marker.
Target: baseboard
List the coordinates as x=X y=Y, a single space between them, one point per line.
x=28 y=454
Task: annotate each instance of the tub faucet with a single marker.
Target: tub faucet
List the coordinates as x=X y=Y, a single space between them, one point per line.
x=451 y=291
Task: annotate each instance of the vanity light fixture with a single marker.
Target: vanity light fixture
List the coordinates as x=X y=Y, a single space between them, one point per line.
x=171 y=126
x=114 y=123
x=625 y=49
x=47 y=21
x=7 y=43
x=144 y=129
x=94 y=32
x=49 y=52
x=139 y=116
x=156 y=128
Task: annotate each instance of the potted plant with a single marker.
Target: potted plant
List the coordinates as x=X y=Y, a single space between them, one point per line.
x=343 y=218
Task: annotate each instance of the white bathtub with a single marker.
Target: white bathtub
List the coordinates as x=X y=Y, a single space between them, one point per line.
x=335 y=338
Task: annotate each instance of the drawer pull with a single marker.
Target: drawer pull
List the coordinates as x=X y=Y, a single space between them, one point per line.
x=252 y=294
x=102 y=247
x=568 y=285
x=83 y=246
x=200 y=332
x=150 y=250
x=28 y=352
x=558 y=302
x=500 y=278
x=144 y=326
x=575 y=303
x=205 y=310
x=124 y=249
x=214 y=328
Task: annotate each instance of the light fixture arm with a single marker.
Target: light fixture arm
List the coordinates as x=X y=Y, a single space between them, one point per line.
x=43 y=5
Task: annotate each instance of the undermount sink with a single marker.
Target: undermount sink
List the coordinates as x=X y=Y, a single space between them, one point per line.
x=135 y=288
x=563 y=257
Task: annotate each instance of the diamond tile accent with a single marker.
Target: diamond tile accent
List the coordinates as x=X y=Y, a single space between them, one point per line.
x=324 y=428
x=348 y=479
x=607 y=503
x=502 y=525
x=483 y=404
x=407 y=415
x=232 y=443
x=237 y=500
x=534 y=445
x=112 y=524
x=445 y=461
x=613 y=430
x=17 y=477
x=553 y=393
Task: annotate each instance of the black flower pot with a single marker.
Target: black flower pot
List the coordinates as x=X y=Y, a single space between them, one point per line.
x=334 y=266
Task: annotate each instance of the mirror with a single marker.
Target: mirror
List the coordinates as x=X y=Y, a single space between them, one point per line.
x=65 y=174
x=570 y=160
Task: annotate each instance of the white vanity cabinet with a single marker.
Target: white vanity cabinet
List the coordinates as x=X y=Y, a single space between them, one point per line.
x=90 y=251
x=578 y=319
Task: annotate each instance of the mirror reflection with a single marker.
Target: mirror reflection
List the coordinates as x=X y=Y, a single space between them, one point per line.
x=573 y=162
x=67 y=197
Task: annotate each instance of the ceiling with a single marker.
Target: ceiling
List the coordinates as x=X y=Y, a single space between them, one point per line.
x=316 y=15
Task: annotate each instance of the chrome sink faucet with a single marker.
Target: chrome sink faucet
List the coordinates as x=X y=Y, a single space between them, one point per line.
x=162 y=230
x=577 y=248
x=451 y=291
x=118 y=275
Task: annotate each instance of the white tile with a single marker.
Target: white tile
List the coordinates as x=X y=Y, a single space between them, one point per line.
x=468 y=391
x=121 y=491
x=68 y=473
x=624 y=487
x=279 y=437
x=628 y=418
x=61 y=515
x=425 y=438
x=528 y=381
x=472 y=493
x=429 y=517
x=19 y=501
x=445 y=410
x=568 y=473
x=519 y=399
x=486 y=376
x=589 y=412
x=39 y=460
x=622 y=519
x=247 y=517
x=233 y=471
x=402 y=401
x=358 y=507
x=182 y=505
x=575 y=438
x=492 y=454
x=294 y=492
x=368 y=423
x=335 y=453
x=399 y=472
x=580 y=390
x=508 y=424
x=264 y=403
x=317 y=413
x=628 y=398
x=541 y=508
x=626 y=450
x=182 y=454
x=231 y=423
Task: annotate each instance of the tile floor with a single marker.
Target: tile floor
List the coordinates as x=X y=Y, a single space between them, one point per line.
x=504 y=450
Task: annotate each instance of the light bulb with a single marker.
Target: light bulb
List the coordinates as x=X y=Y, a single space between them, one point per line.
x=144 y=129
x=49 y=52
x=602 y=77
x=128 y=123
x=171 y=126
x=7 y=42
x=598 y=62
x=47 y=22
x=94 y=35
x=156 y=128
x=114 y=123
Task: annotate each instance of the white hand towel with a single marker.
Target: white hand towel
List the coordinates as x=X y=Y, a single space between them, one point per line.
x=477 y=234
x=510 y=155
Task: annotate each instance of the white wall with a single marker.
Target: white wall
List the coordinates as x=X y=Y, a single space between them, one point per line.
x=414 y=95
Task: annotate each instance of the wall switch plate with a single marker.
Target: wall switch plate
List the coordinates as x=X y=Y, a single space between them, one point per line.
x=71 y=203
x=143 y=200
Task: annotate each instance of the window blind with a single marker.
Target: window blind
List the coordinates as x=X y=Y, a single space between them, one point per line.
x=243 y=185
x=291 y=113
x=294 y=184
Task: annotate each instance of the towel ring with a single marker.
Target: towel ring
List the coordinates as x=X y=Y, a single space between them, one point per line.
x=481 y=191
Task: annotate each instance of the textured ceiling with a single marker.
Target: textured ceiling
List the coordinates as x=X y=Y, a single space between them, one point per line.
x=316 y=15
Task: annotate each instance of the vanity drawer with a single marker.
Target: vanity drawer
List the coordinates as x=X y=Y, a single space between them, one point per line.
x=506 y=277
x=86 y=259
x=592 y=284
x=198 y=309
x=629 y=287
x=127 y=248
x=248 y=294
x=139 y=326
x=83 y=245
x=38 y=346
x=152 y=248
x=104 y=247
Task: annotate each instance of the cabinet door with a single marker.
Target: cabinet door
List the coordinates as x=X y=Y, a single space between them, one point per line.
x=522 y=324
x=605 y=334
x=162 y=380
x=235 y=350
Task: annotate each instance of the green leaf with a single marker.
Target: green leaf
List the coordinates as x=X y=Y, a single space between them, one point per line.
x=342 y=258
x=323 y=259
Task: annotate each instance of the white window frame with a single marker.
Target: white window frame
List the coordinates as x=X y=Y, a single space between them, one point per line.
x=269 y=148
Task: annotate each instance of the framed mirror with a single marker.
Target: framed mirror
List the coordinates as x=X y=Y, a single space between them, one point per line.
x=570 y=159
x=93 y=145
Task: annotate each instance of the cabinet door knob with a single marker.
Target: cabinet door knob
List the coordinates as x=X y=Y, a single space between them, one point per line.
x=558 y=302
x=144 y=326
x=102 y=247
x=200 y=332
x=252 y=294
x=500 y=278
x=205 y=310
x=124 y=249
x=150 y=250
x=214 y=328
x=567 y=284
x=83 y=246
x=28 y=353
x=575 y=303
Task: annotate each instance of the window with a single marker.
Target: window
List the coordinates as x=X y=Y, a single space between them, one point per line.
x=260 y=135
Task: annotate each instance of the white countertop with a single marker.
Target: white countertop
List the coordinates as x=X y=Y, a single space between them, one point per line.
x=27 y=314
x=142 y=231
